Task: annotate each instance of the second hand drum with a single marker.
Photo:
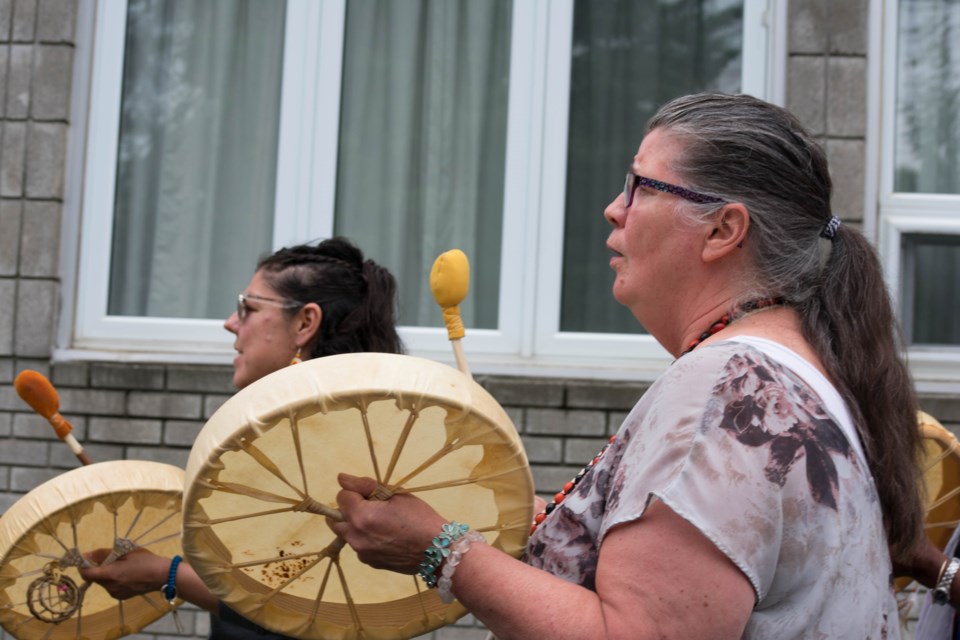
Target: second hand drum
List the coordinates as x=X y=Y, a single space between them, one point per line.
x=119 y=504
x=46 y=535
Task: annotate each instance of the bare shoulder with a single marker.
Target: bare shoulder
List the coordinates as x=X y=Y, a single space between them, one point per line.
x=780 y=325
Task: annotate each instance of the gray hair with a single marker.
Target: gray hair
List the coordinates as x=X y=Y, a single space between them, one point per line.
x=745 y=150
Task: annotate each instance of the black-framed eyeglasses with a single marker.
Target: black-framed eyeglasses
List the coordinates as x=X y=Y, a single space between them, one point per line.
x=633 y=181
x=243 y=309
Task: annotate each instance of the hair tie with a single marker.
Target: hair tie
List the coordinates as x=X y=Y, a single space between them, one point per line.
x=830 y=229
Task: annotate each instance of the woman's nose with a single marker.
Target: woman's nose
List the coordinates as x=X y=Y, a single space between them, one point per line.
x=615 y=212
x=232 y=323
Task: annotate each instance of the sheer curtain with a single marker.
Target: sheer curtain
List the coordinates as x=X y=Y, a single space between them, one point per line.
x=927 y=160
x=197 y=154
x=629 y=57
x=422 y=143
x=928 y=98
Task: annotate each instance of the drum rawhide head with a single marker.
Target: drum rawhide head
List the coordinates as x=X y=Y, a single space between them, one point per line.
x=941 y=483
x=264 y=469
x=941 y=479
x=44 y=536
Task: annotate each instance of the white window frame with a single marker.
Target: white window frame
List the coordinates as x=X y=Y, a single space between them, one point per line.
x=528 y=338
x=899 y=214
x=166 y=338
x=591 y=348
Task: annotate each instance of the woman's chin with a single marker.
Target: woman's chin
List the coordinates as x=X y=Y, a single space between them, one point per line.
x=619 y=293
x=239 y=378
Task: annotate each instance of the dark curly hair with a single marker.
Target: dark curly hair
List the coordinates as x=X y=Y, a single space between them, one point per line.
x=357 y=296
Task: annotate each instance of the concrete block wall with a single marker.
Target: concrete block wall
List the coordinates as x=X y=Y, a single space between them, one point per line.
x=827 y=89
x=36 y=71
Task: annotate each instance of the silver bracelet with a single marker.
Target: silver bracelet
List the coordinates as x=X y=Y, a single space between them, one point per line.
x=941 y=595
x=458 y=549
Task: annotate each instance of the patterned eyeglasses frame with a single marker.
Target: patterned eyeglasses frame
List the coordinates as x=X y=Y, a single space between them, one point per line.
x=633 y=181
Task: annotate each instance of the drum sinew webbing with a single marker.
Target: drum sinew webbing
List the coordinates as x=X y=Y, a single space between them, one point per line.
x=275 y=449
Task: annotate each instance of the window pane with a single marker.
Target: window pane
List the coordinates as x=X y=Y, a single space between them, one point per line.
x=927 y=156
x=196 y=161
x=931 y=289
x=422 y=143
x=629 y=57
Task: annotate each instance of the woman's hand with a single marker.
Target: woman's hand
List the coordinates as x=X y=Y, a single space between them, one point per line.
x=922 y=563
x=141 y=571
x=133 y=574
x=390 y=534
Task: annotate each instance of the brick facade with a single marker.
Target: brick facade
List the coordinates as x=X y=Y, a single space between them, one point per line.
x=154 y=411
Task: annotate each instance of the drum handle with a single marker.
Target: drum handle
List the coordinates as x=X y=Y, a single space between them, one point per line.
x=449 y=282
x=37 y=391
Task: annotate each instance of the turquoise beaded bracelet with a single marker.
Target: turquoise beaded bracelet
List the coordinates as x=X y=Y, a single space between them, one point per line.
x=170 y=588
x=436 y=553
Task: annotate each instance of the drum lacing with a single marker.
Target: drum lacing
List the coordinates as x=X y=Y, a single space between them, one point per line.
x=380 y=493
x=312 y=506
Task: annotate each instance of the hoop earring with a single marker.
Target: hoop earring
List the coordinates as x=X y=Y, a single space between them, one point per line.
x=296 y=358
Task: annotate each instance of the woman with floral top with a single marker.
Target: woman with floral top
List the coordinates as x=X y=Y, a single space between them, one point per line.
x=755 y=489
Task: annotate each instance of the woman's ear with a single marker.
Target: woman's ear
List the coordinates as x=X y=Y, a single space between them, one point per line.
x=307 y=323
x=728 y=232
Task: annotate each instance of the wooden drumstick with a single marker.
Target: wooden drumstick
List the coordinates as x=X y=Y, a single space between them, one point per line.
x=449 y=282
x=37 y=392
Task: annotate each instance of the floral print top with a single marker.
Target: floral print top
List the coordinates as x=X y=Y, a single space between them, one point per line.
x=754 y=447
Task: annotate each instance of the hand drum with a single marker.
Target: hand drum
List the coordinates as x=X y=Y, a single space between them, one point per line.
x=263 y=472
x=121 y=505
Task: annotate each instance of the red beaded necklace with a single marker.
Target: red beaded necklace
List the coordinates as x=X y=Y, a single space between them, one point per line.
x=727 y=318
x=716 y=327
x=567 y=488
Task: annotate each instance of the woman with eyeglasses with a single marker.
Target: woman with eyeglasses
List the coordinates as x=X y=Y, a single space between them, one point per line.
x=757 y=486
x=303 y=302
x=308 y=302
